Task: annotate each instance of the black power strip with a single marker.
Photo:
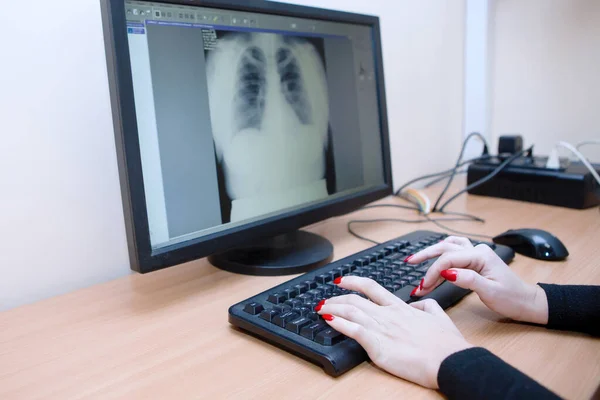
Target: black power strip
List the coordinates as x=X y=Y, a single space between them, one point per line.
x=528 y=179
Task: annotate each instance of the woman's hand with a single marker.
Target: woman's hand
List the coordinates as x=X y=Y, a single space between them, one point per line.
x=409 y=341
x=481 y=270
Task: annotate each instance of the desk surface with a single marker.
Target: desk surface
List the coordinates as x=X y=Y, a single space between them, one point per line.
x=166 y=335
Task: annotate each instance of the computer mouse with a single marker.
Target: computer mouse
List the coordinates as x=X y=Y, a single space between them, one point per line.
x=534 y=243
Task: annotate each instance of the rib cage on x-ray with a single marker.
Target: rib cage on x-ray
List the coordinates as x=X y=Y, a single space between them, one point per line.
x=269 y=112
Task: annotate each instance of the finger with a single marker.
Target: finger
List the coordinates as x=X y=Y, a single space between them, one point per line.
x=354 y=300
x=433 y=251
x=371 y=289
x=473 y=258
x=349 y=313
x=354 y=331
x=461 y=241
x=432 y=307
x=429 y=306
x=469 y=279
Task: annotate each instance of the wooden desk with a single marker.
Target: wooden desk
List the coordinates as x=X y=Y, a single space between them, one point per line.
x=165 y=335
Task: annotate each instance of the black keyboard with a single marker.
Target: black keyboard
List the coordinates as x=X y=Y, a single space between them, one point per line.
x=284 y=315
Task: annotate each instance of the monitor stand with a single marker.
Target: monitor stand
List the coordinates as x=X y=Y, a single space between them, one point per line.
x=287 y=254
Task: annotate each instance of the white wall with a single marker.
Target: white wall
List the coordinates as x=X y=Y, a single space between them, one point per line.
x=60 y=213
x=60 y=210
x=546 y=71
x=477 y=110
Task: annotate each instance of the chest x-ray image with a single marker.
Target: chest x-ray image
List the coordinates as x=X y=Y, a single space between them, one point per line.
x=269 y=109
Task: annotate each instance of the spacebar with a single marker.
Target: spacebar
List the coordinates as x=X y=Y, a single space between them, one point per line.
x=446 y=294
x=404 y=293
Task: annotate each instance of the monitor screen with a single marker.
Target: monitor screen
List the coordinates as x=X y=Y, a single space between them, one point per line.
x=242 y=116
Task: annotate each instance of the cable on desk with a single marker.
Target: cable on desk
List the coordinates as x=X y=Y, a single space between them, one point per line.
x=470 y=216
x=456 y=232
x=406 y=221
x=488 y=177
x=460 y=156
x=437 y=174
x=446 y=176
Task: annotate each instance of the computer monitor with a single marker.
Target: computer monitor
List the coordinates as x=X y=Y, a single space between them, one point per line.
x=239 y=122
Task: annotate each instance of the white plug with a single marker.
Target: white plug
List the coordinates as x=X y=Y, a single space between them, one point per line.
x=553 y=160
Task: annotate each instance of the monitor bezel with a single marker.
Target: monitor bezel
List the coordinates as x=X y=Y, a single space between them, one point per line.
x=143 y=257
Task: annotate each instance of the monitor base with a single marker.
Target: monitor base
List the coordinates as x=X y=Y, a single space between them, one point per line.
x=288 y=254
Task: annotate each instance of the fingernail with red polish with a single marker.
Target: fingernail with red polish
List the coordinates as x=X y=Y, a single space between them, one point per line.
x=338 y=280
x=421 y=284
x=407 y=259
x=328 y=317
x=414 y=291
x=319 y=306
x=449 y=275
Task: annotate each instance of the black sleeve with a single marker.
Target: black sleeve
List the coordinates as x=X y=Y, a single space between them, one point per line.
x=478 y=374
x=573 y=308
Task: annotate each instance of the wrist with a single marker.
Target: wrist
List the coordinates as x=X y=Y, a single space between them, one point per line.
x=536 y=306
x=456 y=347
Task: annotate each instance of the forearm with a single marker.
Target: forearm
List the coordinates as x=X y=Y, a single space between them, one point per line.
x=478 y=374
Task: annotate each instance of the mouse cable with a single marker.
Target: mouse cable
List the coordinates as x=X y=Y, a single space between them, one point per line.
x=488 y=177
x=460 y=156
x=456 y=232
x=470 y=216
x=446 y=176
x=437 y=174
x=406 y=221
x=587 y=143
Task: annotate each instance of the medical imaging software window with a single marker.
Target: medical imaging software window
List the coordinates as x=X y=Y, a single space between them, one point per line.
x=242 y=116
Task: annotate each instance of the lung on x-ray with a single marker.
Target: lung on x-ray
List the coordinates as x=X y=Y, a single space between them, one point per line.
x=269 y=108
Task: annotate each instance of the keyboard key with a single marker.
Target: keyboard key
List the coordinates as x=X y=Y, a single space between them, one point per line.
x=301 y=288
x=253 y=308
x=348 y=268
x=361 y=262
x=268 y=315
x=310 y=284
x=312 y=316
x=324 y=278
x=281 y=308
x=284 y=318
x=315 y=292
x=302 y=310
x=335 y=273
x=404 y=293
x=342 y=270
x=310 y=331
x=290 y=293
x=423 y=267
x=294 y=303
x=371 y=257
x=401 y=282
x=297 y=324
x=329 y=337
x=305 y=298
x=277 y=298
x=393 y=257
x=327 y=290
x=391 y=249
x=398 y=275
